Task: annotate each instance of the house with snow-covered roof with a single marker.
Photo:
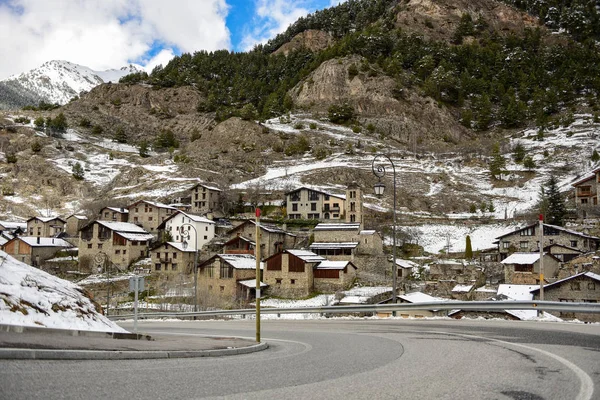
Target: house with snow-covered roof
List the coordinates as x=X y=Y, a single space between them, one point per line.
x=524 y=268
x=310 y=203
x=205 y=198
x=11 y=226
x=45 y=226
x=526 y=239
x=580 y=288
x=33 y=250
x=171 y=258
x=74 y=223
x=341 y=240
x=196 y=230
x=150 y=214
x=121 y=242
x=230 y=277
x=272 y=238
x=297 y=273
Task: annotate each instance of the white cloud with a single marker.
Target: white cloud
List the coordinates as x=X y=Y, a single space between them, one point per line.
x=104 y=34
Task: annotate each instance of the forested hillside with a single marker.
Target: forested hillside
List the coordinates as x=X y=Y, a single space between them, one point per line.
x=486 y=76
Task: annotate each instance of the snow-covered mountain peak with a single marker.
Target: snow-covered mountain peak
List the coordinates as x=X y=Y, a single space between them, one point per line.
x=58 y=81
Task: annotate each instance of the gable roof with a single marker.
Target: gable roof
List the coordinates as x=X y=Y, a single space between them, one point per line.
x=121 y=210
x=591 y=275
x=153 y=203
x=240 y=261
x=406 y=263
x=333 y=245
x=205 y=186
x=47 y=219
x=195 y=218
x=306 y=255
x=516 y=292
x=240 y=238
x=524 y=258
x=419 y=297
x=334 y=265
x=558 y=228
x=122 y=226
x=35 y=241
x=265 y=227
x=339 y=196
x=562 y=246
x=78 y=216
x=13 y=225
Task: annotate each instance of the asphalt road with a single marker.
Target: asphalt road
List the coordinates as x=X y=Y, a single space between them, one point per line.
x=340 y=359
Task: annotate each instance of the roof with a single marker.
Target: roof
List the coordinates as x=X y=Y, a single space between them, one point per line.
x=333 y=245
x=206 y=186
x=13 y=225
x=418 y=297
x=240 y=238
x=266 y=227
x=367 y=232
x=558 y=228
x=118 y=209
x=582 y=180
x=591 y=275
x=135 y=237
x=562 y=246
x=406 y=263
x=462 y=288
x=522 y=258
x=337 y=227
x=153 y=203
x=306 y=255
x=240 y=261
x=195 y=218
x=339 y=196
x=516 y=292
x=334 y=264
x=44 y=241
x=46 y=219
x=122 y=226
x=251 y=283
x=81 y=217
x=179 y=246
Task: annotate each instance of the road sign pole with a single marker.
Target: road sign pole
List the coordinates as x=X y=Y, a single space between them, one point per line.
x=257 y=254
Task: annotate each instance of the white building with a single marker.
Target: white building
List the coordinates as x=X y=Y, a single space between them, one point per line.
x=197 y=230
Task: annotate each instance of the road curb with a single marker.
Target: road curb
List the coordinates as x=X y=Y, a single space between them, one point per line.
x=56 y=354
x=69 y=332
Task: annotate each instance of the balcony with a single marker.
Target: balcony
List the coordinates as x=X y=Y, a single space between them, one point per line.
x=586 y=194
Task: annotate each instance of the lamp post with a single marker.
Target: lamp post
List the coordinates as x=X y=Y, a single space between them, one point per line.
x=185 y=236
x=101 y=260
x=379 y=187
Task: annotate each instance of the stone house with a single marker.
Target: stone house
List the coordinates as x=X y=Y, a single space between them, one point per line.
x=335 y=251
x=239 y=245
x=74 y=223
x=524 y=268
x=205 y=199
x=586 y=191
x=198 y=230
x=45 y=226
x=122 y=242
x=308 y=203
x=229 y=276
x=296 y=273
x=149 y=214
x=172 y=258
x=563 y=253
x=34 y=250
x=272 y=239
x=364 y=242
x=405 y=268
x=116 y=214
x=581 y=288
x=526 y=239
x=13 y=227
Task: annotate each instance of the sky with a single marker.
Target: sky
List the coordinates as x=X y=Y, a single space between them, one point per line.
x=104 y=34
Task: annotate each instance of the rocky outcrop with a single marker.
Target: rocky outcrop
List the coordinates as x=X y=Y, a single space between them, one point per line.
x=311 y=39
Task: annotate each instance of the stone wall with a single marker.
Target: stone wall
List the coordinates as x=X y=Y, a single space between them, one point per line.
x=579 y=289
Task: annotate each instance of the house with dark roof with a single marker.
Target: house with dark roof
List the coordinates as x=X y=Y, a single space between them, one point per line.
x=272 y=238
x=580 y=288
x=172 y=258
x=116 y=214
x=345 y=240
x=311 y=203
x=526 y=239
x=229 y=277
x=586 y=191
x=297 y=273
x=45 y=226
x=33 y=250
x=205 y=198
x=121 y=242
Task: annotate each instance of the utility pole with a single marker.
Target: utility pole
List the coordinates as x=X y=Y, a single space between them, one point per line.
x=257 y=254
x=541 y=261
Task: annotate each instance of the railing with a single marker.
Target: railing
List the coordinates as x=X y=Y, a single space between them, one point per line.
x=387 y=308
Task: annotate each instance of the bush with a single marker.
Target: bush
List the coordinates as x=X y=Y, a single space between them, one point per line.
x=340 y=114
x=312 y=126
x=165 y=140
x=144 y=150
x=195 y=135
x=78 y=172
x=59 y=123
x=298 y=126
x=39 y=122
x=529 y=163
x=120 y=136
x=36 y=146
x=300 y=146
x=11 y=158
x=352 y=71
x=320 y=152
x=22 y=120
x=97 y=130
x=85 y=123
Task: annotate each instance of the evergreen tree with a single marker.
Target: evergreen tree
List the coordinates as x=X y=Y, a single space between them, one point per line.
x=468 y=248
x=78 y=171
x=59 y=123
x=144 y=149
x=39 y=122
x=120 y=136
x=518 y=153
x=36 y=146
x=555 y=203
x=595 y=156
x=529 y=163
x=498 y=162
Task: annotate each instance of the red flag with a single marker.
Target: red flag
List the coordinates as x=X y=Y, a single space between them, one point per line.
x=257 y=212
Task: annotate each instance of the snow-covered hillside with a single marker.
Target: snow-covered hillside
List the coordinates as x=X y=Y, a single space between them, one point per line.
x=59 y=81
x=31 y=297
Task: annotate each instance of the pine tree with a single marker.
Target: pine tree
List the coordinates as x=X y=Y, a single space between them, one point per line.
x=78 y=171
x=120 y=136
x=518 y=153
x=468 y=248
x=498 y=162
x=529 y=163
x=555 y=204
x=144 y=149
x=595 y=156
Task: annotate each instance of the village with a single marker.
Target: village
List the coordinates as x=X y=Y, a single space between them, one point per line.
x=192 y=253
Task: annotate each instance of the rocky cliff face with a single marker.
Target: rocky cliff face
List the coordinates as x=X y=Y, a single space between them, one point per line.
x=311 y=39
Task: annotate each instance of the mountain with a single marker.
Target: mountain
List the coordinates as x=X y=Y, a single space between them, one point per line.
x=55 y=82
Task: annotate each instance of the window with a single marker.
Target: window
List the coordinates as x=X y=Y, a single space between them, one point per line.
x=157 y=267
x=106 y=215
x=135 y=219
x=353 y=218
x=222 y=288
x=528 y=231
x=226 y=271
x=576 y=285
x=205 y=237
x=312 y=195
x=295 y=207
x=523 y=245
x=292 y=281
x=584 y=201
x=124 y=252
x=591 y=285
x=149 y=218
x=99 y=245
x=158 y=255
x=117 y=251
x=206 y=228
x=278 y=281
x=573 y=243
x=89 y=245
x=174 y=266
x=295 y=196
x=313 y=206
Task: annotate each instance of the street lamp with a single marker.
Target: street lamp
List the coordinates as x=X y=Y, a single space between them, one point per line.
x=101 y=260
x=185 y=236
x=379 y=188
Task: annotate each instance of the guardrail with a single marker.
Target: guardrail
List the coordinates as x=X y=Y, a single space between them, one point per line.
x=385 y=308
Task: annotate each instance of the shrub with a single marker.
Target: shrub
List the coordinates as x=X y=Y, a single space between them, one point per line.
x=166 y=139
x=39 y=122
x=36 y=146
x=340 y=114
x=320 y=152
x=352 y=71
x=356 y=128
x=11 y=157
x=22 y=120
x=78 y=171
x=85 y=123
x=59 y=123
x=195 y=135
x=312 y=125
x=298 y=125
x=143 y=150
x=97 y=130
x=120 y=136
